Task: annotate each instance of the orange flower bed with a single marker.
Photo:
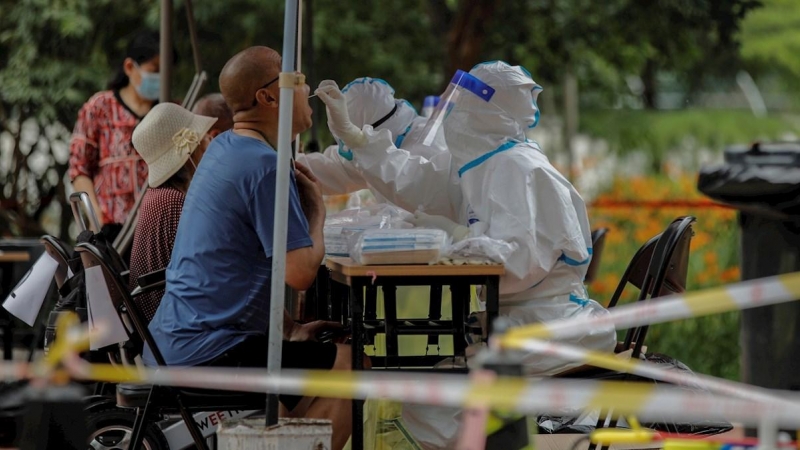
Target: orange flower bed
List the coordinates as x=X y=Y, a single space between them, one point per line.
x=649 y=204
x=634 y=209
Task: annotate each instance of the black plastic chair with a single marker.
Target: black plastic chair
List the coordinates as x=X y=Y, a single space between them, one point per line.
x=665 y=274
x=598 y=244
x=659 y=268
x=60 y=253
x=152 y=402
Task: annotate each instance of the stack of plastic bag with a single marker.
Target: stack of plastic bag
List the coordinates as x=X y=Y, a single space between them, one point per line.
x=480 y=250
x=399 y=246
x=343 y=228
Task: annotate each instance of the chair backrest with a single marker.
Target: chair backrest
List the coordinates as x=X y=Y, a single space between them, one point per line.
x=81 y=199
x=636 y=270
x=120 y=297
x=58 y=251
x=667 y=270
x=598 y=244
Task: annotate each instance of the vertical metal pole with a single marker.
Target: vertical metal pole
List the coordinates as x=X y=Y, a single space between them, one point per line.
x=284 y=149
x=299 y=44
x=570 y=119
x=198 y=66
x=298 y=62
x=292 y=296
x=165 y=51
x=312 y=81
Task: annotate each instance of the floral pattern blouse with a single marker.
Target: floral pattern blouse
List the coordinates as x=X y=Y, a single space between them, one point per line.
x=101 y=149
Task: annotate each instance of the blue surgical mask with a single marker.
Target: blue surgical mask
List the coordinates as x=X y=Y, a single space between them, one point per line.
x=150 y=87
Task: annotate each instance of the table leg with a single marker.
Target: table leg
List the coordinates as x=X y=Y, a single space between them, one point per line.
x=370 y=313
x=460 y=299
x=324 y=310
x=5 y=318
x=492 y=302
x=339 y=298
x=357 y=321
x=371 y=304
x=434 y=312
x=390 y=320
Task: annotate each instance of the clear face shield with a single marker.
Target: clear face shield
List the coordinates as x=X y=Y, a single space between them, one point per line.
x=461 y=84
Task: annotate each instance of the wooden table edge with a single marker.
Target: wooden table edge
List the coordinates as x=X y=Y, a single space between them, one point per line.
x=349 y=268
x=14 y=257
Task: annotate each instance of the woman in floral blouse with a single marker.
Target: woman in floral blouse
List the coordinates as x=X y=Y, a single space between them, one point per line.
x=102 y=159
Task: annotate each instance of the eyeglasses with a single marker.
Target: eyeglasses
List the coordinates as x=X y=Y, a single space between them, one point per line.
x=255 y=101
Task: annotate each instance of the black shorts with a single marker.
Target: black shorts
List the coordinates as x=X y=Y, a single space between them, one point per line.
x=252 y=352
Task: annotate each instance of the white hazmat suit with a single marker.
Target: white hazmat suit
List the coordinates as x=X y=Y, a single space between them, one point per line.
x=370 y=101
x=501 y=188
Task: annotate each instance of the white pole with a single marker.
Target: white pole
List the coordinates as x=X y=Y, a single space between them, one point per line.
x=278 y=290
x=752 y=93
x=767 y=433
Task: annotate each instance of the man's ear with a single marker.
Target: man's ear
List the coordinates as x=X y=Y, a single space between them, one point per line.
x=268 y=98
x=213 y=133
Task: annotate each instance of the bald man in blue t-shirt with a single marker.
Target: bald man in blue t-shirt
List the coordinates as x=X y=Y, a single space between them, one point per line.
x=215 y=310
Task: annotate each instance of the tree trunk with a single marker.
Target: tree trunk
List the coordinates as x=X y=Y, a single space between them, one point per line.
x=466 y=34
x=571 y=109
x=649 y=80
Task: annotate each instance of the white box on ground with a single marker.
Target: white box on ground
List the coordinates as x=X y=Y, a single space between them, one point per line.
x=568 y=441
x=289 y=434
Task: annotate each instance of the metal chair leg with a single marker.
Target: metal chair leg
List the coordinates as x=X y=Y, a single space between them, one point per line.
x=188 y=419
x=140 y=422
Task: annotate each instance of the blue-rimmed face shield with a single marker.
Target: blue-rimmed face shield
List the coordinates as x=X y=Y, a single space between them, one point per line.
x=461 y=84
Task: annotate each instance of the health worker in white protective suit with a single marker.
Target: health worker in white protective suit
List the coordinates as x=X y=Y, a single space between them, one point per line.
x=507 y=193
x=370 y=101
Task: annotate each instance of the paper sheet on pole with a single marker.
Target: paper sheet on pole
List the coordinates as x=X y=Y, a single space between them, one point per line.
x=26 y=299
x=105 y=326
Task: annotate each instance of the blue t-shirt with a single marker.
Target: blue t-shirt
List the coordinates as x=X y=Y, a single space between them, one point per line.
x=219 y=277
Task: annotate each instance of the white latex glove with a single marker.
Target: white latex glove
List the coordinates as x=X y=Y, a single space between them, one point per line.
x=338 y=118
x=458 y=232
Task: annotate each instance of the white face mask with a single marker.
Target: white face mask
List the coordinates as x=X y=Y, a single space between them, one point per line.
x=150 y=86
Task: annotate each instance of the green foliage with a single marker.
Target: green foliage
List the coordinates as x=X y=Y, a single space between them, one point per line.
x=56 y=57
x=657 y=133
x=771 y=38
x=708 y=345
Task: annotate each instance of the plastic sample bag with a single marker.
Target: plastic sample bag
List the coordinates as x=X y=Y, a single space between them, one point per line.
x=399 y=246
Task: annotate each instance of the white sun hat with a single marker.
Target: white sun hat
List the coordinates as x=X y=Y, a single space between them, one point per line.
x=166 y=137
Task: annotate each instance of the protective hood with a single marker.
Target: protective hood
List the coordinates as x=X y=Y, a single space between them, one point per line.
x=370 y=101
x=475 y=126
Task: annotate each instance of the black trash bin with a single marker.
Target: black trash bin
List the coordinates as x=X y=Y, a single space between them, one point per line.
x=763 y=182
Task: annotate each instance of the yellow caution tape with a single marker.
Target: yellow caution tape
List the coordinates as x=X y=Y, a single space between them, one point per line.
x=636 y=435
x=651 y=370
x=738 y=296
x=551 y=396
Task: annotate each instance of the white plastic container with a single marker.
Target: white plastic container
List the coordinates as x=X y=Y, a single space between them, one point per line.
x=399 y=246
x=289 y=434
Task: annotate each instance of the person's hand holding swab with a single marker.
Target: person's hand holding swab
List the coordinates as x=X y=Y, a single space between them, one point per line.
x=338 y=117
